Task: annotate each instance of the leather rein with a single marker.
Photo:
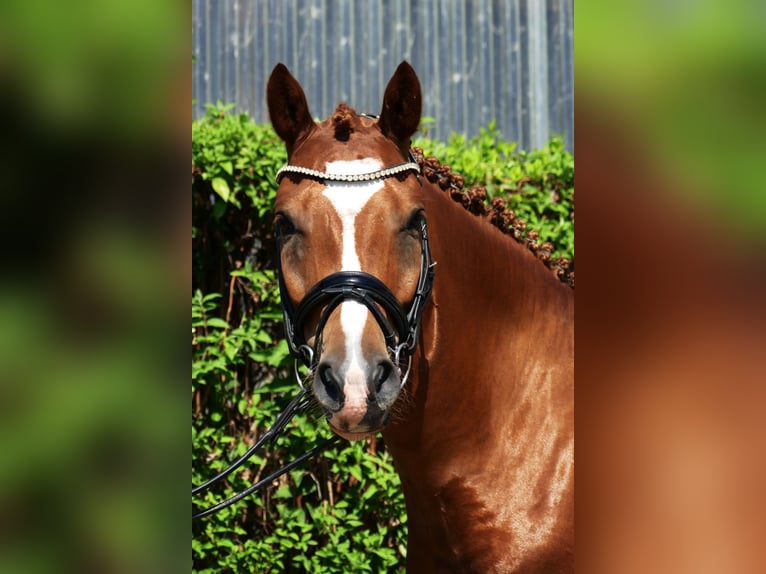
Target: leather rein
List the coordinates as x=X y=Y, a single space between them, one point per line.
x=400 y=327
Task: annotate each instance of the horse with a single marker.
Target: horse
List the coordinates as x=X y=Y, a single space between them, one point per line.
x=424 y=322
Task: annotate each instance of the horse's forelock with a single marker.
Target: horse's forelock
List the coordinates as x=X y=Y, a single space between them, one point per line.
x=342 y=121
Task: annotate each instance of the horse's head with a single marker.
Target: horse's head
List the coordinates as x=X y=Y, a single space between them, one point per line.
x=355 y=269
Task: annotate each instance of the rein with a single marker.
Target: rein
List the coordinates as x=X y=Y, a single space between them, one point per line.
x=298 y=403
x=330 y=292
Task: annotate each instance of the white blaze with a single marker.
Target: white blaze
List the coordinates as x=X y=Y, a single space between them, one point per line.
x=348 y=199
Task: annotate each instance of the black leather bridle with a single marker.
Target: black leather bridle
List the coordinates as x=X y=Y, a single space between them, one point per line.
x=400 y=326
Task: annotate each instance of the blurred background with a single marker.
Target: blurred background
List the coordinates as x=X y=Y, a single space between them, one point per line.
x=670 y=307
x=94 y=115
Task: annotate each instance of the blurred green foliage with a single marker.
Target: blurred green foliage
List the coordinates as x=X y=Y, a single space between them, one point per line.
x=689 y=97
x=86 y=66
x=344 y=511
x=92 y=293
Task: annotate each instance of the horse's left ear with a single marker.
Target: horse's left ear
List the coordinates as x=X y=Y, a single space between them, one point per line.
x=402 y=105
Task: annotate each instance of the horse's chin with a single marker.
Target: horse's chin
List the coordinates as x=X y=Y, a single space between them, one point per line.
x=352 y=436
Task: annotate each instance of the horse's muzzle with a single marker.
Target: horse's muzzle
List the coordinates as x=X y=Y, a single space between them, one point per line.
x=356 y=398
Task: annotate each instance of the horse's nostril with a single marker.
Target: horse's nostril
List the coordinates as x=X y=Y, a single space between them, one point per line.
x=332 y=388
x=382 y=373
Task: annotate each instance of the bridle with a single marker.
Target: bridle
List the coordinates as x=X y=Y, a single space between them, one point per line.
x=400 y=327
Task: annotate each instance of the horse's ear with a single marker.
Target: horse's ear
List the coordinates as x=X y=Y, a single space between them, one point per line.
x=402 y=104
x=288 y=108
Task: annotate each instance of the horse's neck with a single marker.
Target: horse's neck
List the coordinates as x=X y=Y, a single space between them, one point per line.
x=484 y=445
x=496 y=344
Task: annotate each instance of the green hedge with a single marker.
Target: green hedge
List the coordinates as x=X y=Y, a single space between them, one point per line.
x=343 y=512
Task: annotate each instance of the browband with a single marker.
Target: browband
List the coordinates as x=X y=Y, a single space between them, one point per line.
x=370 y=176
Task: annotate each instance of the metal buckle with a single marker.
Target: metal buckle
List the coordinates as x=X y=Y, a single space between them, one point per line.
x=308 y=355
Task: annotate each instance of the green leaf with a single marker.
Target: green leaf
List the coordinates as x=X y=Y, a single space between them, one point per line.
x=369 y=492
x=221 y=188
x=283 y=492
x=356 y=472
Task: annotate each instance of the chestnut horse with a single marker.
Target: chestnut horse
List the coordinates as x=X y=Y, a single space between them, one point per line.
x=466 y=367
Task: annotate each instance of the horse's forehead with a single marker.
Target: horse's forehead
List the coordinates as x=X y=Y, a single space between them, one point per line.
x=346 y=199
x=366 y=203
x=364 y=142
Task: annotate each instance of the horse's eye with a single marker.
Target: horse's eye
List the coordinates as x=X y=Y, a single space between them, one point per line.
x=283 y=226
x=415 y=222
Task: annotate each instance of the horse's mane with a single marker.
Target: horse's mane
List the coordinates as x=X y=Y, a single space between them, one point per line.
x=473 y=199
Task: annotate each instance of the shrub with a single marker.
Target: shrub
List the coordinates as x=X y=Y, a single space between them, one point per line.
x=344 y=511
x=538 y=185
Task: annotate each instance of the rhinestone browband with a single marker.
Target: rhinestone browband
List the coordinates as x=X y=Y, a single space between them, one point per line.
x=380 y=174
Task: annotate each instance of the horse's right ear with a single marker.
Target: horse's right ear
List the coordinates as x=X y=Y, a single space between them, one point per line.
x=288 y=108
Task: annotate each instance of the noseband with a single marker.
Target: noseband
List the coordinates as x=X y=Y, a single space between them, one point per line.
x=400 y=327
